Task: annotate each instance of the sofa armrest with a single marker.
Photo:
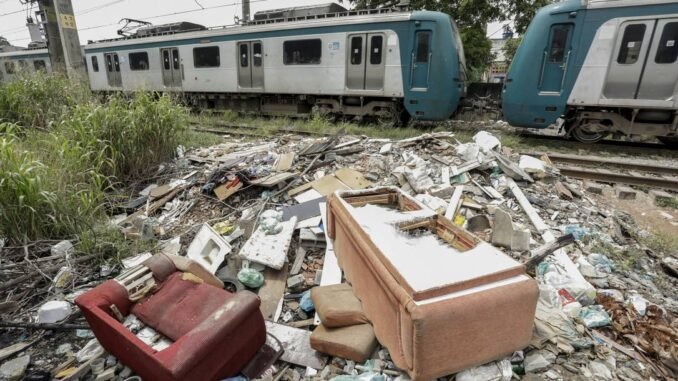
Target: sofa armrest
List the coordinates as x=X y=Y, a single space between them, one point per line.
x=103 y=296
x=235 y=315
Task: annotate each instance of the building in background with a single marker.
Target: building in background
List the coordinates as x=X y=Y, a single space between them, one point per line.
x=497 y=71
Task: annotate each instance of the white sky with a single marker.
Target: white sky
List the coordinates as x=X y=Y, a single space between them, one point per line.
x=98 y=19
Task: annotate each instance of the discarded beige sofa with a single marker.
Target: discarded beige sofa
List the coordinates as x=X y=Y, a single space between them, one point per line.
x=439 y=299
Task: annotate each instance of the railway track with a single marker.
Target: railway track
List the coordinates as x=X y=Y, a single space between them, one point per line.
x=597 y=168
x=614 y=144
x=248 y=130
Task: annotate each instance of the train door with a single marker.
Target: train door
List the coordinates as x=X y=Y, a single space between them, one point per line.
x=628 y=59
x=250 y=64
x=365 y=63
x=421 y=60
x=113 y=70
x=171 y=67
x=661 y=70
x=556 y=58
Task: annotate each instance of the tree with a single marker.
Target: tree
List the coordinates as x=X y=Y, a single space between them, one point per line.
x=472 y=17
x=510 y=48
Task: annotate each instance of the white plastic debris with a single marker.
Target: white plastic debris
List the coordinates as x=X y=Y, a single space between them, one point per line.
x=136 y=260
x=494 y=371
x=386 y=148
x=54 y=311
x=209 y=249
x=435 y=203
x=469 y=152
x=63 y=248
x=486 y=141
x=532 y=165
x=63 y=277
x=638 y=302
x=91 y=350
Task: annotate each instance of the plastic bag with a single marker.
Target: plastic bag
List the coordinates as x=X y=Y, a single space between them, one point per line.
x=495 y=371
x=601 y=263
x=594 y=316
x=368 y=375
x=270 y=222
x=251 y=278
x=306 y=303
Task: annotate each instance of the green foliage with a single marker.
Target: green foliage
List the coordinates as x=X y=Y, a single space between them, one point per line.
x=478 y=51
x=38 y=201
x=522 y=12
x=128 y=137
x=39 y=99
x=510 y=49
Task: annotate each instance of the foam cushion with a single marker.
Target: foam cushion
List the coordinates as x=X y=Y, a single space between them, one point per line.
x=337 y=306
x=356 y=342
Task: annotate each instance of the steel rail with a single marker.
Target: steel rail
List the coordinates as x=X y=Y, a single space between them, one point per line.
x=616 y=163
x=604 y=175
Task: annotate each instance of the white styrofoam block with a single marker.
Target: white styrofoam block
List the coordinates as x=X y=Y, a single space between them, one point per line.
x=269 y=249
x=54 y=311
x=208 y=249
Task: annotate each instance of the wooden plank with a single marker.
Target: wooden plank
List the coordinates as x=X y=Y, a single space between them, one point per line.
x=298 y=261
x=352 y=178
x=227 y=190
x=273 y=290
x=285 y=162
x=537 y=221
x=269 y=249
x=14 y=349
x=300 y=189
x=272 y=180
x=328 y=185
x=453 y=206
x=297 y=344
x=331 y=272
x=445 y=175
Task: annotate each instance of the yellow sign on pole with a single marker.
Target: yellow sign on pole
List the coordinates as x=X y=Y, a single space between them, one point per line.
x=68 y=21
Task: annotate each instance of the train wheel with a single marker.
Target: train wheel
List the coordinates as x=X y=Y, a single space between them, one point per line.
x=582 y=134
x=671 y=141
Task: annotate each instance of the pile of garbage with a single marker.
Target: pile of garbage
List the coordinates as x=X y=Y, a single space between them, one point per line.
x=251 y=212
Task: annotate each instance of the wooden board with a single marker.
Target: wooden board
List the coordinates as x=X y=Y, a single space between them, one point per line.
x=331 y=272
x=297 y=344
x=352 y=178
x=328 y=185
x=272 y=180
x=285 y=162
x=272 y=291
x=227 y=190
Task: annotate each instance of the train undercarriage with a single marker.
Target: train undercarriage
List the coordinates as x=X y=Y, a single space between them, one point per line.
x=590 y=125
x=334 y=107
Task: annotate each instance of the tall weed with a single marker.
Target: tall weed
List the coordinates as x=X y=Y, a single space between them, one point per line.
x=36 y=100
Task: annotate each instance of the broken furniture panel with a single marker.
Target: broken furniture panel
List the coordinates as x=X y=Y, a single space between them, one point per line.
x=269 y=249
x=420 y=276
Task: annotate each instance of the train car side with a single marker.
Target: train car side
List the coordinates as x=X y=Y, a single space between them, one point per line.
x=15 y=62
x=573 y=46
x=358 y=65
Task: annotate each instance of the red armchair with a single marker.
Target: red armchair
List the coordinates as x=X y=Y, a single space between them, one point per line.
x=215 y=333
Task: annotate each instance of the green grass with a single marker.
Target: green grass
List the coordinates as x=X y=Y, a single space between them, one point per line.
x=668 y=203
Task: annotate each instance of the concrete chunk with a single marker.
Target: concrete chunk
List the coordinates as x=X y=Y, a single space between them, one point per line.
x=625 y=193
x=506 y=234
x=594 y=188
x=660 y=197
x=14 y=370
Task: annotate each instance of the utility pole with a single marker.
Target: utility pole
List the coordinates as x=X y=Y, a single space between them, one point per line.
x=63 y=41
x=245 y=11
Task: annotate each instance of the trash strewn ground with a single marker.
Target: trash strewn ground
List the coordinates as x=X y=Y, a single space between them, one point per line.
x=252 y=213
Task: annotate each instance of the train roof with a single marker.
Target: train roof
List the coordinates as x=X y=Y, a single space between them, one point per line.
x=597 y=4
x=327 y=20
x=25 y=53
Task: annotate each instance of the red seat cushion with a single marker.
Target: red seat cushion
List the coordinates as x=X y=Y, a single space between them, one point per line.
x=178 y=306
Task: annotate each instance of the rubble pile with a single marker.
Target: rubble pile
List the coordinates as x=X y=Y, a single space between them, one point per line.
x=252 y=213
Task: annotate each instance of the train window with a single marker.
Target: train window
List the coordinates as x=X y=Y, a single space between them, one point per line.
x=423 y=46
x=116 y=62
x=302 y=52
x=356 y=50
x=23 y=64
x=138 y=61
x=95 y=63
x=257 y=54
x=9 y=67
x=667 y=52
x=166 y=59
x=559 y=37
x=207 y=56
x=175 y=59
x=244 y=55
x=632 y=42
x=376 y=46
x=39 y=65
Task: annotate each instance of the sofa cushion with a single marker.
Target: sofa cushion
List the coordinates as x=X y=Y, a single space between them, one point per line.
x=337 y=306
x=356 y=342
x=179 y=305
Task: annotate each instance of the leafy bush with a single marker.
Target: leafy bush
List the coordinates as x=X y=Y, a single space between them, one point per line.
x=127 y=137
x=38 y=99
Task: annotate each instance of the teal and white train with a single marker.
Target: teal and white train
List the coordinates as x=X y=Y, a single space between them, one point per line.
x=374 y=63
x=598 y=67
